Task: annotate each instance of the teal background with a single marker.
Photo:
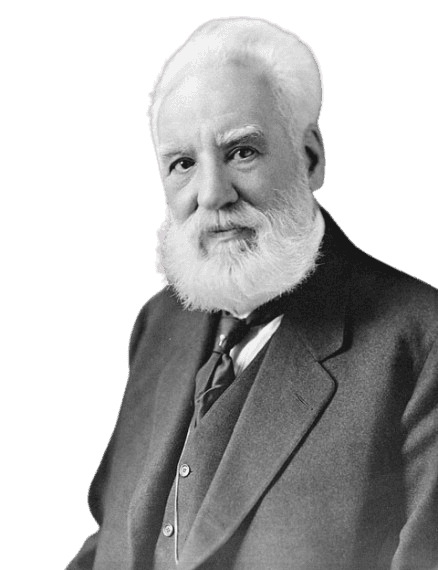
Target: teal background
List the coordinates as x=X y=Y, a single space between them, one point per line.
x=81 y=202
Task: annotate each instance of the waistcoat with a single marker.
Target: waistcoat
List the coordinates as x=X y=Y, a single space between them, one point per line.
x=199 y=460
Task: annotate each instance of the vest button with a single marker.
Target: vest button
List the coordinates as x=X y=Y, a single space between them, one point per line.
x=167 y=530
x=184 y=470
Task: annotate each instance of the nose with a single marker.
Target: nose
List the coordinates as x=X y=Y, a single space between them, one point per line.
x=215 y=187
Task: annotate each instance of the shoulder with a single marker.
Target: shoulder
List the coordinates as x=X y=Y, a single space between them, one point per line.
x=392 y=312
x=163 y=322
x=379 y=291
x=385 y=306
x=157 y=315
x=375 y=283
x=164 y=304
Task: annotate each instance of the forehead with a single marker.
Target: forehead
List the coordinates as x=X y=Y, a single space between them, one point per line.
x=213 y=102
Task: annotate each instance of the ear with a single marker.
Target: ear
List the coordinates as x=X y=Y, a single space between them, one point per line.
x=313 y=151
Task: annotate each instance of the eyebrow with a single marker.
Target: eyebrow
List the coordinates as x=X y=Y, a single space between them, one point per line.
x=166 y=152
x=241 y=135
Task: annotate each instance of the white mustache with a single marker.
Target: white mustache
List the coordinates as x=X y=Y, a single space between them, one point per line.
x=242 y=215
x=224 y=228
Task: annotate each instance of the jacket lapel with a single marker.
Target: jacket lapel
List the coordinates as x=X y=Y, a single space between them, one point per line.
x=289 y=394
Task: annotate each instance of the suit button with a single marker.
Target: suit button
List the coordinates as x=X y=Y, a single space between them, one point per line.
x=167 y=530
x=184 y=470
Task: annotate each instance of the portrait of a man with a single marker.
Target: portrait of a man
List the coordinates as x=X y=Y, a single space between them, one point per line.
x=282 y=406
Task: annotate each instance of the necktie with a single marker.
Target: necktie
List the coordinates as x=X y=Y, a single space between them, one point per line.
x=218 y=373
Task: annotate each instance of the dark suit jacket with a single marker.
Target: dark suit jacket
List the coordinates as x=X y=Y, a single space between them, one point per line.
x=333 y=464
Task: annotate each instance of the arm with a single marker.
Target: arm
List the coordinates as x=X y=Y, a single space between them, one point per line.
x=418 y=546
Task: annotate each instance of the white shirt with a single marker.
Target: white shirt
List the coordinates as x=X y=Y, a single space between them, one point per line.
x=244 y=352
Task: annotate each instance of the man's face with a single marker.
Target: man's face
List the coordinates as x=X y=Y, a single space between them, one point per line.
x=220 y=141
x=241 y=227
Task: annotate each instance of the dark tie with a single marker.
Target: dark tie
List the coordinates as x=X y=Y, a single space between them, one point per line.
x=218 y=372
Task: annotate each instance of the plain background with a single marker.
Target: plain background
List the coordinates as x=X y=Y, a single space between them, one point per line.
x=81 y=202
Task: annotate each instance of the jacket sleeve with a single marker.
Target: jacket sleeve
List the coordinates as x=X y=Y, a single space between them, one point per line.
x=418 y=545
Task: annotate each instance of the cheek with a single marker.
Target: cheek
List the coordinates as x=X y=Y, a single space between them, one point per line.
x=258 y=189
x=248 y=181
x=180 y=203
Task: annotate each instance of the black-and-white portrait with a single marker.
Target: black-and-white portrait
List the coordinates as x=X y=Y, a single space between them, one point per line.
x=220 y=305
x=281 y=405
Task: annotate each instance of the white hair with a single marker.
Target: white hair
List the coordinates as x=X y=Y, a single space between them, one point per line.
x=281 y=57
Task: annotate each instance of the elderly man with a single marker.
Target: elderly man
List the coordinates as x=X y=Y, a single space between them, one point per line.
x=281 y=410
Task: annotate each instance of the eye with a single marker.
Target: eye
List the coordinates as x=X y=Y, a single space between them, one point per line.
x=243 y=153
x=181 y=165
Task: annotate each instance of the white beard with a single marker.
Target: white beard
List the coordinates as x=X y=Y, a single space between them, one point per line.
x=241 y=274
